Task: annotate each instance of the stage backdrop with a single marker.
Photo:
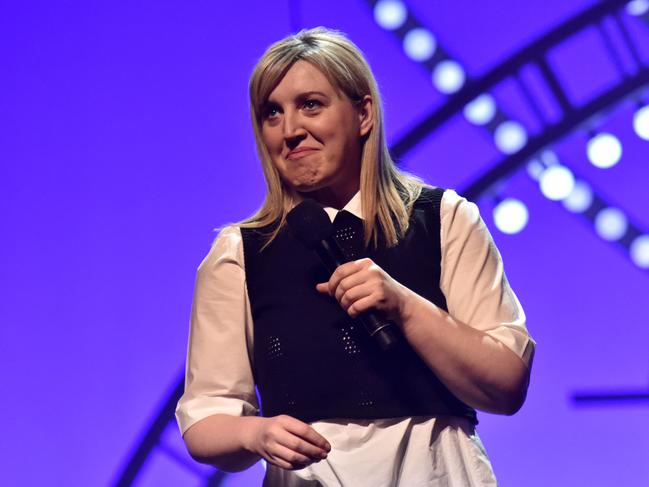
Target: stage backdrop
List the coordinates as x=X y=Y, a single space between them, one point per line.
x=125 y=141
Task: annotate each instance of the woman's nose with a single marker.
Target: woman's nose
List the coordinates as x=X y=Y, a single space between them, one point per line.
x=293 y=127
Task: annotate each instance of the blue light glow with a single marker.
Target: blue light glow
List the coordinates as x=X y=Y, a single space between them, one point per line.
x=510 y=137
x=641 y=122
x=390 y=14
x=639 y=251
x=448 y=77
x=535 y=168
x=549 y=157
x=637 y=7
x=545 y=159
x=610 y=224
x=481 y=110
x=419 y=44
x=579 y=199
x=604 y=150
x=510 y=216
x=557 y=182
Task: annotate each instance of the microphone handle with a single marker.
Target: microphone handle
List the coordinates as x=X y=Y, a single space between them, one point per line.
x=382 y=330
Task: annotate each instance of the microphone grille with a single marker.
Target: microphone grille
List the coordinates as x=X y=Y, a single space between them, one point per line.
x=309 y=223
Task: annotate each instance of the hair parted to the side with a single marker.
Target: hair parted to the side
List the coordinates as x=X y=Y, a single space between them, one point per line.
x=388 y=194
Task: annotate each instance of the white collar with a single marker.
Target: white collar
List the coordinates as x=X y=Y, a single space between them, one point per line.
x=353 y=206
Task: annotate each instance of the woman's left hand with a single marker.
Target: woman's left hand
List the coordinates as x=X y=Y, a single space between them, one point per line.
x=361 y=285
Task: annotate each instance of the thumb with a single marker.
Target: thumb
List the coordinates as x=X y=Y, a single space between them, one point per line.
x=323 y=287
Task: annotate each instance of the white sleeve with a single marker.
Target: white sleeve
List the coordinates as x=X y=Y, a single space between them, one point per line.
x=218 y=376
x=473 y=279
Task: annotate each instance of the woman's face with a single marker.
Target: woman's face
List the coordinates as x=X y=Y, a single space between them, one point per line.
x=313 y=133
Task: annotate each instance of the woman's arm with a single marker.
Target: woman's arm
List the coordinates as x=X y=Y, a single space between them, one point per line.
x=218 y=440
x=476 y=367
x=480 y=348
x=234 y=443
x=217 y=412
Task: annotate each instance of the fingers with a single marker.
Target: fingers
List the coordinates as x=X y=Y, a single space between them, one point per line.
x=291 y=459
x=360 y=306
x=292 y=444
x=362 y=285
x=361 y=298
x=307 y=433
x=342 y=272
x=322 y=287
x=353 y=285
x=300 y=451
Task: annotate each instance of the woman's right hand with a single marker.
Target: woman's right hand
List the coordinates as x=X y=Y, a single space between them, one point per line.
x=286 y=442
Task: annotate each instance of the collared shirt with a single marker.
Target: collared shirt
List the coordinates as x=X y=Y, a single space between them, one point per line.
x=439 y=451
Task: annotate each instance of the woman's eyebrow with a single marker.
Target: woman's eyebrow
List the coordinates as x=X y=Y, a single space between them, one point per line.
x=299 y=97
x=302 y=97
x=306 y=94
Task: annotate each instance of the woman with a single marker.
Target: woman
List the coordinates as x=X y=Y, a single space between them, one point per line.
x=336 y=409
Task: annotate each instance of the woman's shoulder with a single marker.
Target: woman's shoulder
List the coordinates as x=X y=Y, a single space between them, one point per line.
x=429 y=193
x=454 y=210
x=226 y=247
x=227 y=236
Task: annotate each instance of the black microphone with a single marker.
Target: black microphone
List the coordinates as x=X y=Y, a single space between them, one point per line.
x=310 y=224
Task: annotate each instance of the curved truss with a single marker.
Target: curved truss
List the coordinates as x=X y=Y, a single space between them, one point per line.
x=555 y=132
x=535 y=54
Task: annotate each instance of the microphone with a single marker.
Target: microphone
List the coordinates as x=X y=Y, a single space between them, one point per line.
x=310 y=224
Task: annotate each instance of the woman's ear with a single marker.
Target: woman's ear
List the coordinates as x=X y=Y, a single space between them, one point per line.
x=366 y=115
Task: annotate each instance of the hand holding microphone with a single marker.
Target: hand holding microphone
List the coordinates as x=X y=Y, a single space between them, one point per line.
x=361 y=287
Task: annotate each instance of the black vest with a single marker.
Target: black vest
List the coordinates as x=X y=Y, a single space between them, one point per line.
x=311 y=360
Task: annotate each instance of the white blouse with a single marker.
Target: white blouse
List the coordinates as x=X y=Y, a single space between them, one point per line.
x=412 y=451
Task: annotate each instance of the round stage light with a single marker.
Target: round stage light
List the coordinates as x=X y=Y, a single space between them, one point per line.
x=390 y=14
x=557 y=182
x=579 y=199
x=610 y=224
x=641 y=122
x=637 y=7
x=549 y=157
x=481 y=110
x=448 y=77
x=419 y=44
x=640 y=251
x=604 y=150
x=510 y=216
x=534 y=169
x=510 y=137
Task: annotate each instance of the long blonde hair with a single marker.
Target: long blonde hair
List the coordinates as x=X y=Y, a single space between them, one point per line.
x=387 y=193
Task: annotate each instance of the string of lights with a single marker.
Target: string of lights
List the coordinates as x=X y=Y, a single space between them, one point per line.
x=556 y=181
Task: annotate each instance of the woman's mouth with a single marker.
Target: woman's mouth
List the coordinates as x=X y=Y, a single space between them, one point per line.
x=300 y=153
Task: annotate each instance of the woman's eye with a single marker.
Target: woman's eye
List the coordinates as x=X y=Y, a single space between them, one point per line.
x=312 y=104
x=270 y=112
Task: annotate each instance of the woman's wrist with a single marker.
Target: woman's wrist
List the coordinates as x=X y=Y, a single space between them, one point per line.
x=409 y=302
x=249 y=427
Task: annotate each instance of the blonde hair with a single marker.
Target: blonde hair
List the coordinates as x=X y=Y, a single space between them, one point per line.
x=387 y=193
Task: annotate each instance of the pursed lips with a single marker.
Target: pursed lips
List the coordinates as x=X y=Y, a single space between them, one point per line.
x=300 y=152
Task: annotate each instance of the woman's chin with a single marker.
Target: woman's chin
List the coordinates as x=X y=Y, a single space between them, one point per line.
x=307 y=185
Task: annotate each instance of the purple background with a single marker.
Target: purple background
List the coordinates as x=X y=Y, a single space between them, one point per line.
x=125 y=141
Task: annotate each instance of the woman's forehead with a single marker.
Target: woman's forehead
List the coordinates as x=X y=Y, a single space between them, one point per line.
x=301 y=77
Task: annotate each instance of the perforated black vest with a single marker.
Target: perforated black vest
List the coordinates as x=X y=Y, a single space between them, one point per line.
x=311 y=360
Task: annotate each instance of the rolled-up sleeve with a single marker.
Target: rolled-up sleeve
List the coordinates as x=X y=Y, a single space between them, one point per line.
x=218 y=375
x=473 y=278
